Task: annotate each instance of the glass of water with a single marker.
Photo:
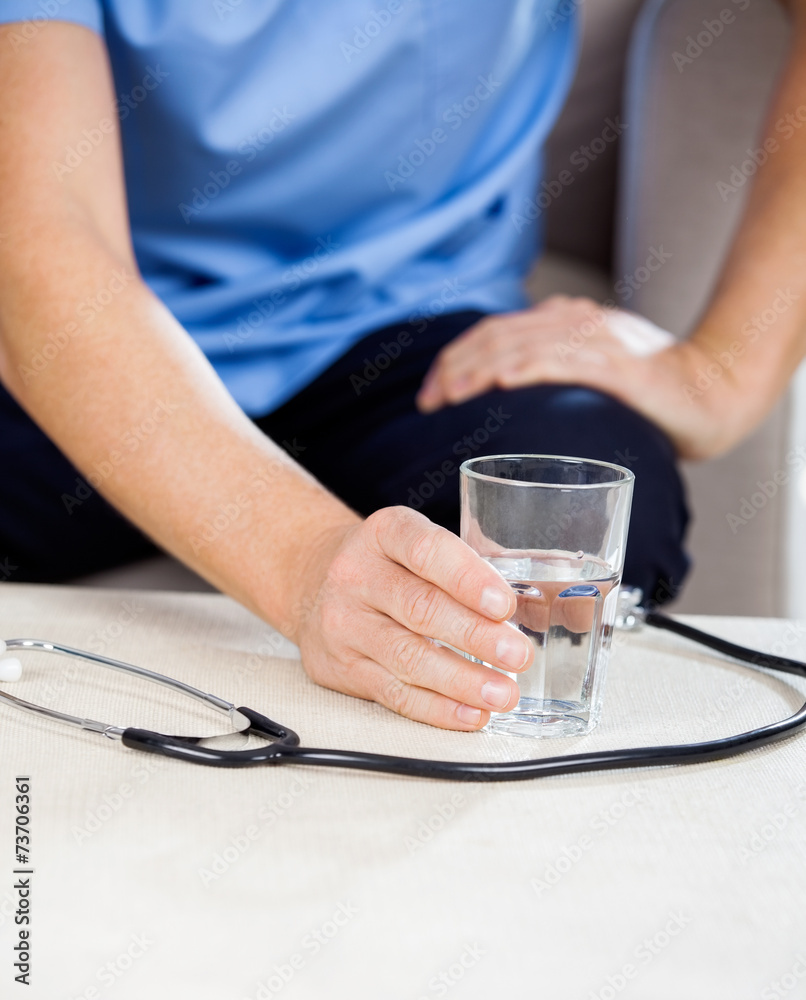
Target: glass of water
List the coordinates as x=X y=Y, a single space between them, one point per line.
x=556 y=529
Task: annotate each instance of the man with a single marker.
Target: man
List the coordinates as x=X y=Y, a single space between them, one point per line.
x=304 y=181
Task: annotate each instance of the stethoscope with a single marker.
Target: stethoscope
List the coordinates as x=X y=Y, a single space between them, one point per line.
x=284 y=744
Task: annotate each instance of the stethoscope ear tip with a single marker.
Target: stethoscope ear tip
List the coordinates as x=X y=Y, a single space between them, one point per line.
x=10 y=667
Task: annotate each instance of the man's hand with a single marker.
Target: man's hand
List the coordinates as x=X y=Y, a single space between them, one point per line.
x=567 y=341
x=377 y=595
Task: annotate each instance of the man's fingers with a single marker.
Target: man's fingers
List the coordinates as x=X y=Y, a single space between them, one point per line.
x=462 y=358
x=475 y=369
x=438 y=556
x=428 y=706
x=423 y=705
x=365 y=678
x=517 y=349
x=476 y=375
x=421 y=663
x=426 y=610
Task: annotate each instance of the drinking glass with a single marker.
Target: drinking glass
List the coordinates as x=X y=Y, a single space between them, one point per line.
x=556 y=529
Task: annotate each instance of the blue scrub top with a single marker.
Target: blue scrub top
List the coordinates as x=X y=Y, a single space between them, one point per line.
x=300 y=172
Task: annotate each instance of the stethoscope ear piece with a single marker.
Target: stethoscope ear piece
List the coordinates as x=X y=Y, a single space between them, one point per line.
x=10 y=668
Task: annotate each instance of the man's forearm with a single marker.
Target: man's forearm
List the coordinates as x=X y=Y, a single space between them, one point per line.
x=105 y=370
x=757 y=315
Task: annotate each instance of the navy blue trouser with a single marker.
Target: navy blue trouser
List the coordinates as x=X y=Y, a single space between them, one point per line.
x=357 y=430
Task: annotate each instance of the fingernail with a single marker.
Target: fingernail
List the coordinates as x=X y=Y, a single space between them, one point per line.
x=512 y=652
x=426 y=401
x=495 y=602
x=497 y=694
x=469 y=716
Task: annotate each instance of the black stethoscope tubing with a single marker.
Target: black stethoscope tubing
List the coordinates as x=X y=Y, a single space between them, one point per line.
x=285 y=746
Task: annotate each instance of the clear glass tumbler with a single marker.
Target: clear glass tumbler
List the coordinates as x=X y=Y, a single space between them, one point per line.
x=556 y=529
